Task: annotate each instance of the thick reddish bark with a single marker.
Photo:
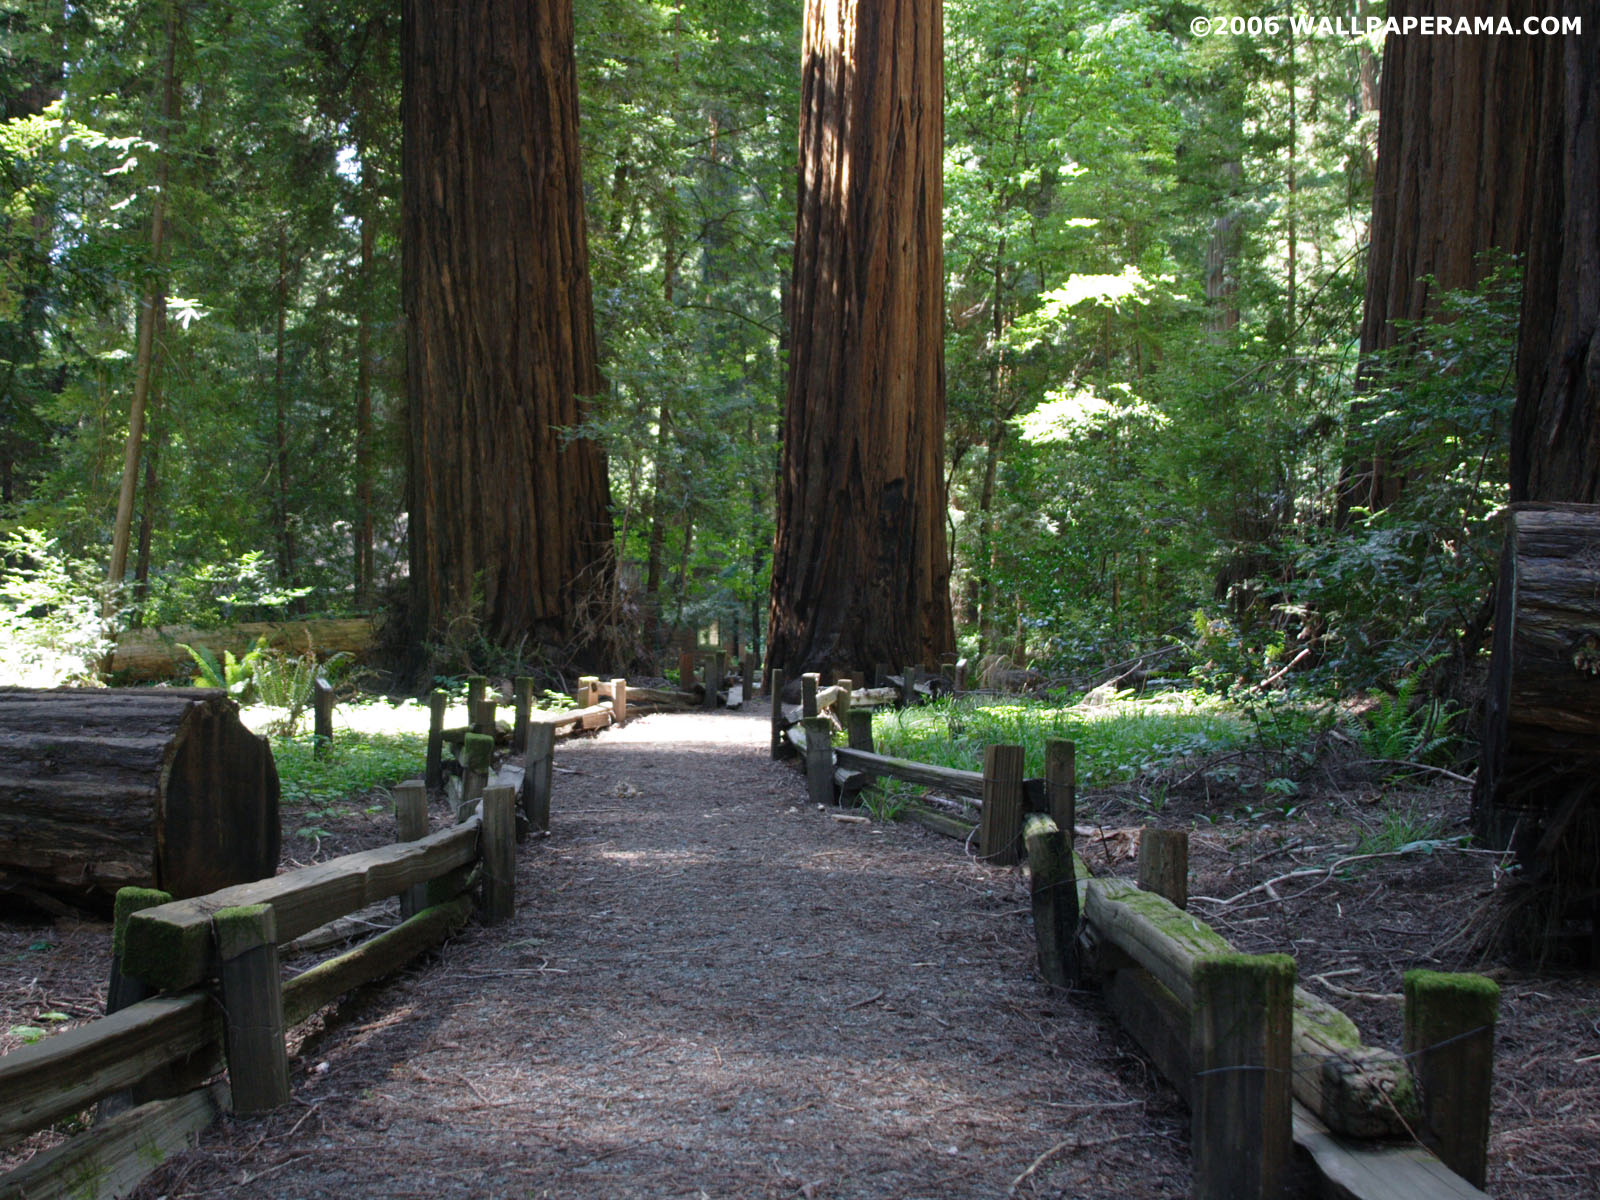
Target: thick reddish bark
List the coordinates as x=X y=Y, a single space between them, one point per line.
x=1454 y=181
x=510 y=519
x=860 y=568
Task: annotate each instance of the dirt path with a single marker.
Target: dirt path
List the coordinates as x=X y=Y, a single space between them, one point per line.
x=712 y=990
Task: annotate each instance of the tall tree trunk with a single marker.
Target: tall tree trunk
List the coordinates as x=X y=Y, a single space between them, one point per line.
x=364 y=564
x=154 y=298
x=860 y=568
x=152 y=494
x=510 y=518
x=1536 y=787
x=282 y=518
x=1454 y=180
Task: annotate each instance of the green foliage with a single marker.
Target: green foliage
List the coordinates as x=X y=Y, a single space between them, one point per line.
x=51 y=633
x=1409 y=726
x=236 y=676
x=1408 y=828
x=356 y=764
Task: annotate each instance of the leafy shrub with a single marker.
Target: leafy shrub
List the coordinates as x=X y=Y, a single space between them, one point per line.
x=50 y=628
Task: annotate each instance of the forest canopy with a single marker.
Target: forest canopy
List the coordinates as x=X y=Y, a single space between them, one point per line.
x=1155 y=256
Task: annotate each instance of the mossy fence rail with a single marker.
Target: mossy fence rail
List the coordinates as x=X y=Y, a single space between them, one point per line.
x=1285 y=1099
x=195 y=983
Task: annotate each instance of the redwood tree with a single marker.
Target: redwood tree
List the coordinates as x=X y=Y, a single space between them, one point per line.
x=1453 y=181
x=860 y=569
x=1545 y=803
x=510 y=525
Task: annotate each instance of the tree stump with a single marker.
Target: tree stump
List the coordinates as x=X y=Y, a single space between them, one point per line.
x=1536 y=791
x=102 y=788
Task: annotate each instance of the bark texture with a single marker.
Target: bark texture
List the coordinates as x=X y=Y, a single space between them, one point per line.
x=102 y=788
x=1455 y=179
x=860 y=569
x=1537 y=789
x=510 y=524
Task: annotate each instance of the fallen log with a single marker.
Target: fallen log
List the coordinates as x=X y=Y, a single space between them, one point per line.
x=103 y=788
x=143 y=655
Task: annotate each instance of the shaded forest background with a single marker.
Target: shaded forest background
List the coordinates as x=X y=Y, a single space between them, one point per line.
x=1155 y=255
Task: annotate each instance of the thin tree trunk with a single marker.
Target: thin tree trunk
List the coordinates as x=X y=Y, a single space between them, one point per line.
x=152 y=495
x=280 y=392
x=860 y=568
x=154 y=297
x=364 y=562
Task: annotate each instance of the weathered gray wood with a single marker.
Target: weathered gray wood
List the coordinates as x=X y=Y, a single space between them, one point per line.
x=909 y=680
x=171 y=947
x=619 y=701
x=499 y=850
x=1000 y=823
x=858 y=728
x=1240 y=1096
x=1164 y=864
x=477 y=687
x=252 y=1007
x=433 y=771
x=1061 y=782
x=523 y=699
x=780 y=748
x=571 y=716
x=104 y=788
x=831 y=697
x=819 y=759
x=848 y=782
x=322 y=718
x=540 y=765
x=123 y=989
x=1156 y=1019
x=747 y=691
x=411 y=825
x=477 y=755
x=1358 y=1089
x=587 y=693
x=1364 y=1170
x=944 y=779
x=109 y=1160
x=373 y=959
x=1449 y=1036
x=938 y=822
x=67 y=1072
x=709 y=677
x=1055 y=900
x=810 y=683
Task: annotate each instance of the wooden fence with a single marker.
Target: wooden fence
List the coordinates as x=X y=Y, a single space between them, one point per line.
x=195 y=984
x=1265 y=1066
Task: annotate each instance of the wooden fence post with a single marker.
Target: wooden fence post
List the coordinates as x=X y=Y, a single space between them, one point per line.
x=619 y=701
x=686 y=669
x=819 y=759
x=411 y=824
x=808 y=693
x=484 y=717
x=1000 y=824
x=960 y=679
x=1164 y=864
x=709 y=674
x=524 y=703
x=1055 y=900
x=747 y=692
x=477 y=685
x=1449 y=1037
x=1061 y=784
x=588 y=692
x=499 y=852
x=880 y=675
x=433 y=773
x=322 y=704
x=539 y=763
x=722 y=669
x=841 y=706
x=1240 y=1051
x=858 y=728
x=908 y=685
x=780 y=744
x=252 y=1005
x=477 y=755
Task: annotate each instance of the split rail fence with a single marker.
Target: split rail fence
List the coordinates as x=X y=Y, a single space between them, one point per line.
x=1267 y=1068
x=195 y=983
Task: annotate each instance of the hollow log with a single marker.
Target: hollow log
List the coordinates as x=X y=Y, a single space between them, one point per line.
x=102 y=788
x=1537 y=791
x=141 y=656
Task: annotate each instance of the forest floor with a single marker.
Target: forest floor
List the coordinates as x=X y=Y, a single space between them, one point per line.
x=713 y=989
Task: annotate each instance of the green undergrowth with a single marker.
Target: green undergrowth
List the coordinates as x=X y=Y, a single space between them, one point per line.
x=375 y=745
x=1118 y=742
